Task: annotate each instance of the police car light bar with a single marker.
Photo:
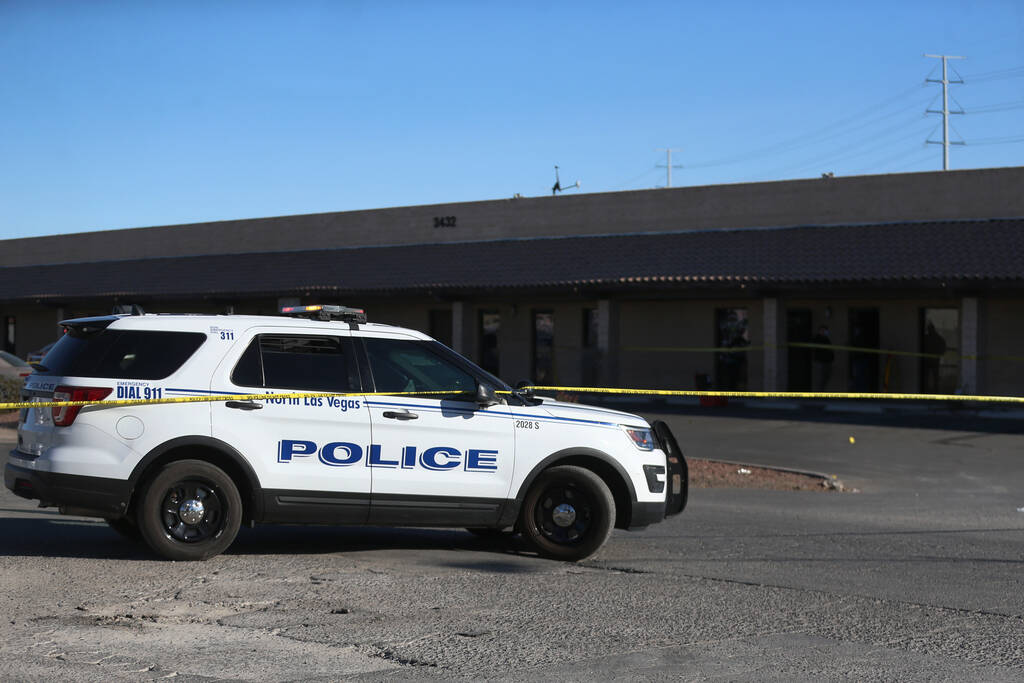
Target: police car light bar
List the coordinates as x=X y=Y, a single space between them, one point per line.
x=326 y=312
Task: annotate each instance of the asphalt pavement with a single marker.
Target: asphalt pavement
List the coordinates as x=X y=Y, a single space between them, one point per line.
x=916 y=577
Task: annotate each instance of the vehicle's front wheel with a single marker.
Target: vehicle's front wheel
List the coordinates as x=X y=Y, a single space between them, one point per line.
x=191 y=510
x=568 y=513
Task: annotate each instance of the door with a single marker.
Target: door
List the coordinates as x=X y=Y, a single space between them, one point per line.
x=940 y=339
x=864 y=334
x=732 y=331
x=436 y=460
x=309 y=453
x=798 y=360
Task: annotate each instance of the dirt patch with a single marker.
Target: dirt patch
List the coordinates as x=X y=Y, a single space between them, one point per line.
x=707 y=474
x=9 y=418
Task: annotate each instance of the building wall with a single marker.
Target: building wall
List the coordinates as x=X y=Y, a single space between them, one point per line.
x=687 y=326
x=35 y=326
x=950 y=195
x=1001 y=333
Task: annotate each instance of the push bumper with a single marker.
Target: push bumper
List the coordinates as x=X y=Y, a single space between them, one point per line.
x=678 y=479
x=95 y=496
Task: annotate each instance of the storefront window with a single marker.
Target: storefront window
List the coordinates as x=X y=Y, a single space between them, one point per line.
x=940 y=339
x=441 y=326
x=9 y=334
x=732 y=331
x=490 y=326
x=591 y=355
x=543 y=347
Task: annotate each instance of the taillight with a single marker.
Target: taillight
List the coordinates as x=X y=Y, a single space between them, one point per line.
x=65 y=415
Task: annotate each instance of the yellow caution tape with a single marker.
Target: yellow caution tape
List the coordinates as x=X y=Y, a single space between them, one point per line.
x=210 y=399
x=809 y=345
x=582 y=390
x=786 y=394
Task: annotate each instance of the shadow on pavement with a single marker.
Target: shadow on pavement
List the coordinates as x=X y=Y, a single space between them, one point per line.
x=56 y=536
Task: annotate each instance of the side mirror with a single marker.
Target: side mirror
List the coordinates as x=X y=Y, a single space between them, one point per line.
x=485 y=396
x=524 y=387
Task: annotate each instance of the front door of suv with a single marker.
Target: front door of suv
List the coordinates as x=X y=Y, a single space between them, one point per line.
x=438 y=458
x=307 y=452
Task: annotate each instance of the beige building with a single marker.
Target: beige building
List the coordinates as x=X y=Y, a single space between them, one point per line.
x=674 y=288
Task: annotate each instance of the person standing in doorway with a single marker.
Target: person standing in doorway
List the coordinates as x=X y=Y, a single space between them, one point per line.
x=934 y=346
x=823 y=358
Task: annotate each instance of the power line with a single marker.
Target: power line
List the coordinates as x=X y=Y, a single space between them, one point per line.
x=842 y=153
x=636 y=178
x=1001 y=74
x=998 y=140
x=1000 y=106
x=814 y=137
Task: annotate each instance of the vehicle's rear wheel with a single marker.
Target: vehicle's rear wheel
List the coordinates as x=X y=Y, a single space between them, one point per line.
x=191 y=510
x=568 y=513
x=126 y=527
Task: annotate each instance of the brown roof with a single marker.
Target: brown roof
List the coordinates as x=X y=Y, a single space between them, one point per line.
x=897 y=254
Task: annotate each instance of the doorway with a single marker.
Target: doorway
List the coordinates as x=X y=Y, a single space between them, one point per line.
x=798 y=360
x=939 y=338
x=863 y=373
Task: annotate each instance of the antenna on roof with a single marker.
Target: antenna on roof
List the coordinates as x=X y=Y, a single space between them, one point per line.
x=557 y=187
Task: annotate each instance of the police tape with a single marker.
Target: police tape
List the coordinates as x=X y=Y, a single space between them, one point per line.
x=813 y=346
x=786 y=394
x=212 y=399
x=579 y=390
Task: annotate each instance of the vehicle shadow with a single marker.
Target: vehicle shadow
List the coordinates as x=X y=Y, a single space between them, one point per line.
x=49 y=535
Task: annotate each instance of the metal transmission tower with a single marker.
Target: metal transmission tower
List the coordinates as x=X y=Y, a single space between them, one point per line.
x=668 y=165
x=945 y=108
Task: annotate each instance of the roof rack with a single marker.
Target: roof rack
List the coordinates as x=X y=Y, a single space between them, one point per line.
x=326 y=312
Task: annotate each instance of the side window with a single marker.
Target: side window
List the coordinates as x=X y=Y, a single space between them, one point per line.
x=401 y=365
x=306 y=363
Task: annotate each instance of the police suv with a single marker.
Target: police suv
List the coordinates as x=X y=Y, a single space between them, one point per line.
x=409 y=433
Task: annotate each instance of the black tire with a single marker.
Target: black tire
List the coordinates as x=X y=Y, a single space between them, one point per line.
x=190 y=510
x=568 y=513
x=126 y=527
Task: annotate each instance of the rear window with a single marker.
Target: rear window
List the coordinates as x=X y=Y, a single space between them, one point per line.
x=121 y=354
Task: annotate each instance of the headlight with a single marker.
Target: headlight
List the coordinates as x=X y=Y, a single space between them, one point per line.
x=642 y=438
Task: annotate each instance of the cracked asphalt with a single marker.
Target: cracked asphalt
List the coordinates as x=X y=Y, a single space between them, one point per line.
x=918 y=577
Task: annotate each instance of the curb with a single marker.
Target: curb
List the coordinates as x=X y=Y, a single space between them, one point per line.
x=831 y=480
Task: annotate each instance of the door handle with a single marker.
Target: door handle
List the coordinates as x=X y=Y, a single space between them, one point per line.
x=244 y=405
x=400 y=415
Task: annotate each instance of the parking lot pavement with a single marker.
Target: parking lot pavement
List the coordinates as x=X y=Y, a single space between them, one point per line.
x=914 y=578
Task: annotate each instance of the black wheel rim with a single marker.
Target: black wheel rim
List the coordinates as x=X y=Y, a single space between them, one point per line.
x=564 y=514
x=192 y=511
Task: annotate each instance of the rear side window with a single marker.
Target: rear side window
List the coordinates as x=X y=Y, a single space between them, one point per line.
x=121 y=354
x=309 y=363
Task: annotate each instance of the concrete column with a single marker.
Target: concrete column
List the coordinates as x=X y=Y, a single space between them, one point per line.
x=770 y=333
x=608 y=341
x=969 y=345
x=458 y=326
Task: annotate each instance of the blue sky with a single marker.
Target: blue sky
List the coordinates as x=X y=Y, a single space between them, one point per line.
x=124 y=114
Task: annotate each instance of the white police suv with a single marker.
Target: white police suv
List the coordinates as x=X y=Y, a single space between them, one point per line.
x=451 y=446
